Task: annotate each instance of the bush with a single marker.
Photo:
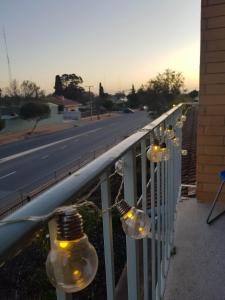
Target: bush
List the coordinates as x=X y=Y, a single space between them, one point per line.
x=2 y=124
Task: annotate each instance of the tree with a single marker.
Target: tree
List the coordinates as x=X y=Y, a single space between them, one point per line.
x=170 y=83
x=13 y=90
x=29 y=89
x=58 y=86
x=120 y=95
x=2 y=124
x=35 y=112
x=193 y=94
x=133 y=98
x=101 y=90
x=161 y=91
x=71 y=86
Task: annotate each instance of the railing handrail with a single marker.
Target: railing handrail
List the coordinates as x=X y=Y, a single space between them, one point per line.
x=13 y=236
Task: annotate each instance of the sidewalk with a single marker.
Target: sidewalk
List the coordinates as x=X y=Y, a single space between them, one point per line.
x=6 y=138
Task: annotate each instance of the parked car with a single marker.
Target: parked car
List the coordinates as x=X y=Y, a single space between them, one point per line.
x=128 y=110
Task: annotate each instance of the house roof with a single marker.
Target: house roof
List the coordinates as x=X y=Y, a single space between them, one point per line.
x=60 y=100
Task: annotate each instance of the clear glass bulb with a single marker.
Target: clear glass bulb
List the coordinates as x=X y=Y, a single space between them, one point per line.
x=72 y=265
x=179 y=124
x=154 y=153
x=165 y=152
x=136 y=223
x=170 y=132
x=176 y=141
x=184 y=152
x=161 y=130
x=119 y=167
x=183 y=118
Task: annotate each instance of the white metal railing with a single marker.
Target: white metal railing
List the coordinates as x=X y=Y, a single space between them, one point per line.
x=164 y=189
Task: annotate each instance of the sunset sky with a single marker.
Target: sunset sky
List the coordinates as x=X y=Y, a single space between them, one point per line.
x=117 y=42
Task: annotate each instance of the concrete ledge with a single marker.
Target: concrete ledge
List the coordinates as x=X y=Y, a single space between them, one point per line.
x=197 y=271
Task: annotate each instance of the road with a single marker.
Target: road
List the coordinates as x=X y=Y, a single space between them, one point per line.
x=26 y=164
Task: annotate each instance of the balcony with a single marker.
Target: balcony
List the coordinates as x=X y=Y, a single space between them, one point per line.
x=150 y=268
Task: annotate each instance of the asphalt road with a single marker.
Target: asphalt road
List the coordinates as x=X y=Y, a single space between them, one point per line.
x=26 y=164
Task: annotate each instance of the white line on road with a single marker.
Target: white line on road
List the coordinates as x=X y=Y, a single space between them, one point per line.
x=63 y=147
x=7 y=175
x=7 y=158
x=44 y=157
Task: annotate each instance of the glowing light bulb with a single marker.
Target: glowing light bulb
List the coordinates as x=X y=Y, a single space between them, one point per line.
x=176 y=141
x=135 y=223
x=119 y=167
x=183 y=118
x=179 y=123
x=72 y=262
x=63 y=244
x=170 y=132
x=184 y=152
x=161 y=130
x=154 y=153
x=165 y=152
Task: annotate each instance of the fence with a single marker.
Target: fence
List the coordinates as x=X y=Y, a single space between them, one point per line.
x=162 y=189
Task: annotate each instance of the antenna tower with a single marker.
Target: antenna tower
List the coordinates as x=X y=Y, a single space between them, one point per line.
x=7 y=56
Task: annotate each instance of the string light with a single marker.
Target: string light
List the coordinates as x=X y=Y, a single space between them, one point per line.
x=154 y=153
x=184 y=152
x=72 y=262
x=119 y=167
x=179 y=123
x=161 y=130
x=169 y=132
x=165 y=152
x=176 y=141
x=183 y=118
x=135 y=222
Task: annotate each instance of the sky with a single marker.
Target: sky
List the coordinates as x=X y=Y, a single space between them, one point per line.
x=116 y=42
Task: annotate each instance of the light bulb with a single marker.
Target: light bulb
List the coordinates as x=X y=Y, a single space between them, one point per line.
x=72 y=262
x=161 y=130
x=165 y=152
x=170 y=132
x=154 y=153
x=184 y=152
x=179 y=123
x=176 y=141
x=119 y=167
x=183 y=118
x=135 y=222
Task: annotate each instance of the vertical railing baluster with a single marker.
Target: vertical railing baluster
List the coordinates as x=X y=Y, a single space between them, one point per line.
x=158 y=231
x=60 y=294
x=170 y=199
x=144 y=206
x=152 y=166
x=130 y=195
x=163 y=212
x=108 y=236
x=167 y=203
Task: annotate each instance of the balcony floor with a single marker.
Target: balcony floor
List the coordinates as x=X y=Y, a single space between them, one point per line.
x=197 y=271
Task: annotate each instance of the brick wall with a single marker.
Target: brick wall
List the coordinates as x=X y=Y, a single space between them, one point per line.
x=211 y=118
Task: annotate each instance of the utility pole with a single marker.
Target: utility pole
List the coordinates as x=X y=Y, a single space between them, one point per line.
x=90 y=98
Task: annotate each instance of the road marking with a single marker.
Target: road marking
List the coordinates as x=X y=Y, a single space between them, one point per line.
x=44 y=157
x=7 y=158
x=63 y=147
x=7 y=175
